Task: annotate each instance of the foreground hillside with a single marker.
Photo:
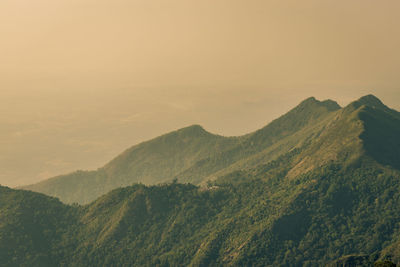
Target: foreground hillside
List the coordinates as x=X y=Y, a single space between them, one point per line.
x=249 y=218
x=315 y=189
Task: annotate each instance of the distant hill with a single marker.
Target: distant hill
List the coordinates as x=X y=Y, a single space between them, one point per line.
x=317 y=187
x=192 y=155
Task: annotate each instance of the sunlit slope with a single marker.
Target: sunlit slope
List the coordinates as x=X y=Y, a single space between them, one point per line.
x=366 y=129
x=282 y=135
x=192 y=155
x=151 y=162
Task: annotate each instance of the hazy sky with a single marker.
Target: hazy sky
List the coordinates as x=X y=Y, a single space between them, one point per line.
x=81 y=80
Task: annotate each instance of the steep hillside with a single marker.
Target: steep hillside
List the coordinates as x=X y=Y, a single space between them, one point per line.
x=291 y=130
x=193 y=155
x=32 y=226
x=363 y=130
x=256 y=217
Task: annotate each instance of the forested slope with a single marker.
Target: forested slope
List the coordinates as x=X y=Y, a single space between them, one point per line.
x=332 y=198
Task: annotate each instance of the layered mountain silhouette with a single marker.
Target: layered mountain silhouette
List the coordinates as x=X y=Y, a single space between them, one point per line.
x=322 y=129
x=317 y=186
x=191 y=155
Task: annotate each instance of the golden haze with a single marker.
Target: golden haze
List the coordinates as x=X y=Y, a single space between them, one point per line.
x=81 y=80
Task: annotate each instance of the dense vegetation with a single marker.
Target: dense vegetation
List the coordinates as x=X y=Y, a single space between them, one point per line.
x=249 y=218
x=329 y=197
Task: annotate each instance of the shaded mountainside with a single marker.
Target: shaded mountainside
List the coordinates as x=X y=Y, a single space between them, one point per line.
x=32 y=226
x=192 y=155
x=256 y=217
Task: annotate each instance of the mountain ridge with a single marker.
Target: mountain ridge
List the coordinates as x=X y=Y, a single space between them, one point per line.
x=192 y=154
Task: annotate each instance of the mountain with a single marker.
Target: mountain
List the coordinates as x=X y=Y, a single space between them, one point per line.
x=155 y=161
x=252 y=218
x=317 y=187
x=192 y=155
x=32 y=226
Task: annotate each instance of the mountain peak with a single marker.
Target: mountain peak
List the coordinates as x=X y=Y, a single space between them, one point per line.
x=312 y=101
x=371 y=100
x=193 y=129
x=330 y=104
x=309 y=100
